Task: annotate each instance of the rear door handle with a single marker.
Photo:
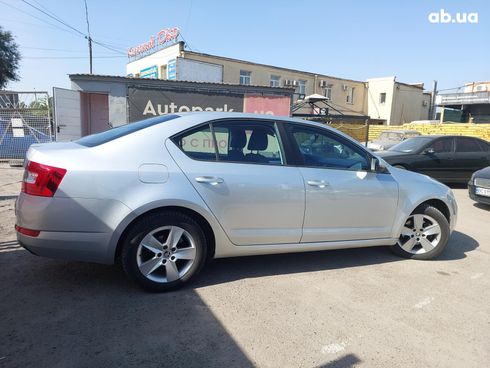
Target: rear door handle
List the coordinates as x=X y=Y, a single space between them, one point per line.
x=212 y=180
x=318 y=183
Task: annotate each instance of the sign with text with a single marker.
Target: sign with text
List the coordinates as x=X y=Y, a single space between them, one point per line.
x=161 y=39
x=150 y=72
x=147 y=103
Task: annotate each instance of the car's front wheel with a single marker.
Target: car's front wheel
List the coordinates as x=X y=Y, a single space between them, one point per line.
x=164 y=251
x=424 y=235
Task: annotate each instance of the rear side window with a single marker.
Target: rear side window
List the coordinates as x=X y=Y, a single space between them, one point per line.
x=467 y=145
x=197 y=143
x=248 y=142
x=114 y=133
x=485 y=146
x=233 y=141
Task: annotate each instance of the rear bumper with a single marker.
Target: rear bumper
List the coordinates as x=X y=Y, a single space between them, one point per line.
x=70 y=228
x=88 y=247
x=477 y=198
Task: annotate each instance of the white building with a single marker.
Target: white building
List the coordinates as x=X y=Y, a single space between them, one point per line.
x=395 y=102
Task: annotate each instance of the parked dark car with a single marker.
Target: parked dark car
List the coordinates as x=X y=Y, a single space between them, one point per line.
x=450 y=159
x=479 y=186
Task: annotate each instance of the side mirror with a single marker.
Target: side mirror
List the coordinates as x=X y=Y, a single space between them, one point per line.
x=377 y=166
x=429 y=151
x=374 y=164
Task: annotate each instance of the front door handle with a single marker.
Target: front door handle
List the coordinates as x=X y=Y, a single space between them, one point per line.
x=318 y=183
x=212 y=180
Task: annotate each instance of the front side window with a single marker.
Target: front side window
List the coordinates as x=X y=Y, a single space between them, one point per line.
x=248 y=142
x=467 y=145
x=275 y=80
x=323 y=149
x=444 y=145
x=245 y=77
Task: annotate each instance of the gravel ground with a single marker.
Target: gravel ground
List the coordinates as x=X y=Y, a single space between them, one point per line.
x=346 y=308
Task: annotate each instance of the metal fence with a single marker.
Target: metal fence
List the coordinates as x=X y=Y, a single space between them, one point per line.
x=25 y=119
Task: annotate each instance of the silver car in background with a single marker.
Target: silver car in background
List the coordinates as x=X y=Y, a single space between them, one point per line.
x=163 y=195
x=389 y=138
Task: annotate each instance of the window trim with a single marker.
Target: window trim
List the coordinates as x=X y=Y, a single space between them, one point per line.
x=249 y=75
x=382 y=98
x=275 y=78
x=299 y=159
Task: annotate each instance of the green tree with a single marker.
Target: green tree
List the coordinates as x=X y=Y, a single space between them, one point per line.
x=9 y=58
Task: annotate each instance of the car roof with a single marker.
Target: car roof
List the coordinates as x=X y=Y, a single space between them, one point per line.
x=214 y=115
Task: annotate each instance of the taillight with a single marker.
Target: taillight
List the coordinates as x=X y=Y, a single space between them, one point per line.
x=41 y=180
x=28 y=232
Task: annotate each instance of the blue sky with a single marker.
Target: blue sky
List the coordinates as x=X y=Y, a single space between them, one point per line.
x=350 y=39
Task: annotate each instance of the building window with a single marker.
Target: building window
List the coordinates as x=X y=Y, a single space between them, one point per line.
x=275 y=80
x=163 y=72
x=302 y=87
x=327 y=92
x=382 y=98
x=245 y=77
x=350 y=95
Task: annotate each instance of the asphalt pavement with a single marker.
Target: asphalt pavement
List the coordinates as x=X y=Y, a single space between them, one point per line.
x=344 y=308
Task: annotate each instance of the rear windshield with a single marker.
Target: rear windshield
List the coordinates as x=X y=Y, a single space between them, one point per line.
x=114 y=133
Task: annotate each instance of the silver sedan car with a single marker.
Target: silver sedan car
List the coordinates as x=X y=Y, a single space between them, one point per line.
x=163 y=195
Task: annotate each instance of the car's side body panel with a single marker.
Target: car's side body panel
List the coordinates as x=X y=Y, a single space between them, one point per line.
x=351 y=205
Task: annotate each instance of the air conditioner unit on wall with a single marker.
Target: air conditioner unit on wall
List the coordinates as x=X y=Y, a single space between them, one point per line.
x=287 y=82
x=425 y=103
x=323 y=83
x=344 y=87
x=294 y=83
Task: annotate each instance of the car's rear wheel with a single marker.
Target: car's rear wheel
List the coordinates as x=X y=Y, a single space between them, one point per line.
x=164 y=251
x=424 y=235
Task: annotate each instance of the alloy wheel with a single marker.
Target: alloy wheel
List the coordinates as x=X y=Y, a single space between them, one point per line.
x=166 y=254
x=421 y=234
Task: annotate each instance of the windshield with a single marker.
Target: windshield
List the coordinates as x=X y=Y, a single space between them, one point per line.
x=410 y=145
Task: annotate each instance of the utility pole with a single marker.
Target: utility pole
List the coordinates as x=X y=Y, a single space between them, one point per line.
x=88 y=37
x=432 y=110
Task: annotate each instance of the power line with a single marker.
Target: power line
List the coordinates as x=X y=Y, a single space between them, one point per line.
x=73 y=57
x=55 y=18
x=40 y=19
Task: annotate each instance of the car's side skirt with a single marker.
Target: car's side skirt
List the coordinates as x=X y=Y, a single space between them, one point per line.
x=251 y=250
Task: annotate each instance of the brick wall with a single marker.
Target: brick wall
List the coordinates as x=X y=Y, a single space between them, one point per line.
x=473 y=130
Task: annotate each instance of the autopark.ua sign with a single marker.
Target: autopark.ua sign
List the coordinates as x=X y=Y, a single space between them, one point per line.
x=162 y=38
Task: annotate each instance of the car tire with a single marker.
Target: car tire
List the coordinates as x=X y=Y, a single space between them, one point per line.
x=428 y=240
x=164 y=251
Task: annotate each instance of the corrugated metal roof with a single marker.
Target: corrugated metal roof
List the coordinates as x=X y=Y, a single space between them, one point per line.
x=156 y=81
